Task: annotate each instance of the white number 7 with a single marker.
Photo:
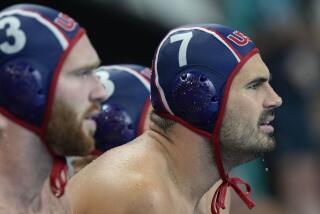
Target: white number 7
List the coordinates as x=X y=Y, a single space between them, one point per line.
x=185 y=37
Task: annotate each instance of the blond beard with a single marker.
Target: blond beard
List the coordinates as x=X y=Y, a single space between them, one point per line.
x=64 y=133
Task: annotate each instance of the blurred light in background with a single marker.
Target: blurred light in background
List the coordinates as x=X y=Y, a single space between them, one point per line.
x=168 y=13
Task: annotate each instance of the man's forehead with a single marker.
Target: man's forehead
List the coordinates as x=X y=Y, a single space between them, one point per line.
x=252 y=69
x=82 y=56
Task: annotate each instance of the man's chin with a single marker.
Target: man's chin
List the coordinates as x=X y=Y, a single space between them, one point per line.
x=264 y=143
x=269 y=143
x=77 y=143
x=91 y=144
x=87 y=148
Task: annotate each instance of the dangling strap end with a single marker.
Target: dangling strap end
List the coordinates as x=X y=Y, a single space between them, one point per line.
x=58 y=177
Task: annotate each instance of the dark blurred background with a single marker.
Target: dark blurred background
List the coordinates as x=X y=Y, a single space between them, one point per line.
x=118 y=35
x=287 y=33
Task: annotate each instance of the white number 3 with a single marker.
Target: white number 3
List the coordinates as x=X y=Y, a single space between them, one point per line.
x=12 y=31
x=106 y=82
x=185 y=37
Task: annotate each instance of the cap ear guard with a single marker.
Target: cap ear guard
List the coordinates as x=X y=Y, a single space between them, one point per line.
x=22 y=91
x=115 y=127
x=195 y=97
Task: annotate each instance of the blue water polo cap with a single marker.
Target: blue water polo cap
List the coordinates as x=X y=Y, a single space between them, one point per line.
x=193 y=69
x=124 y=112
x=34 y=43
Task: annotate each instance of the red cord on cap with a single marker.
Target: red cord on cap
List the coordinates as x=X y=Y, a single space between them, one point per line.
x=218 y=200
x=219 y=197
x=59 y=176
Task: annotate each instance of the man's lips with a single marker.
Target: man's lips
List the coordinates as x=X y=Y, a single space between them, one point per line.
x=91 y=115
x=91 y=112
x=265 y=125
x=90 y=121
x=267 y=128
x=267 y=120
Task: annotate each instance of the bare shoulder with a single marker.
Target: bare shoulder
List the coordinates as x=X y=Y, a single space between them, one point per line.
x=123 y=180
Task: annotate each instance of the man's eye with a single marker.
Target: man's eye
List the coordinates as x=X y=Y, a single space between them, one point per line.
x=254 y=85
x=85 y=73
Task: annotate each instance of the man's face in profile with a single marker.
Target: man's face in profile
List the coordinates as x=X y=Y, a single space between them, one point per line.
x=77 y=98
x=246 y=126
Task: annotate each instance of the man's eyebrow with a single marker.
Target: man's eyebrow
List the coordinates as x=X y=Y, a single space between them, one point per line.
x=258 y=80
x=261 y=79
x=88 y=67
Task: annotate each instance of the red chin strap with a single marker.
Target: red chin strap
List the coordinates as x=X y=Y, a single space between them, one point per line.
x=219 y=197
x=218 y=200
x=59 y=176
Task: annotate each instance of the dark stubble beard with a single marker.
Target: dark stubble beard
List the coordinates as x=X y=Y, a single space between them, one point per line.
x=242 y=141
x=64 y=132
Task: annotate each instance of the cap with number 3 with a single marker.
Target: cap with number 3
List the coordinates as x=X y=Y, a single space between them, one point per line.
x=34 y=43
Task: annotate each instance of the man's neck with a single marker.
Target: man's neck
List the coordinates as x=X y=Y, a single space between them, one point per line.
x=25 y=165
x=191 y=158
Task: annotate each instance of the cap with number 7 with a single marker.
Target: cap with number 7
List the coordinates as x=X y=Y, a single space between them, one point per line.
x=192 y=71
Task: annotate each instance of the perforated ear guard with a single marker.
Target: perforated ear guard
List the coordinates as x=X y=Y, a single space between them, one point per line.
x=196 y=98
x=22 y=89
x=115 y=127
